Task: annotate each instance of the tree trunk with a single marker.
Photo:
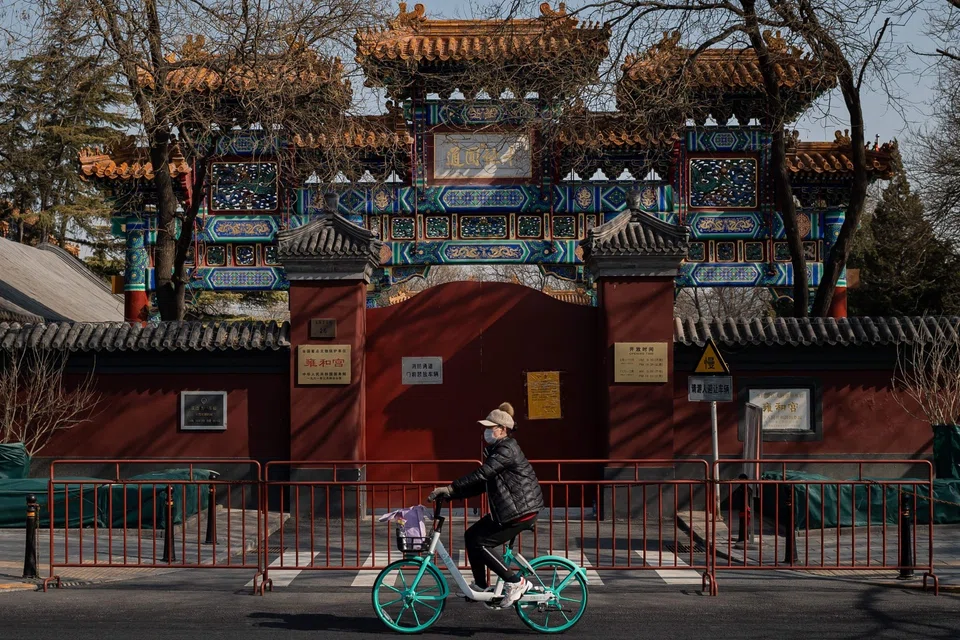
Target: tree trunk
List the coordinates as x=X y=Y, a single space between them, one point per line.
x=834 y=264
x=773 y=123
x=165 y=248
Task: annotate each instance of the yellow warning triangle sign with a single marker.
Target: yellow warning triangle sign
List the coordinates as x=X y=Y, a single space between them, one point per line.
x=710 y=360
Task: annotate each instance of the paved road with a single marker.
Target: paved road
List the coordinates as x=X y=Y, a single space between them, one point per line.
x=188 y=605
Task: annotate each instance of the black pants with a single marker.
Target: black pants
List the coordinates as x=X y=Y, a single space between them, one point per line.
x=481 y=539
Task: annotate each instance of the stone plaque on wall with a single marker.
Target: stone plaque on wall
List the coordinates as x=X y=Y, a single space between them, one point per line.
x=323 y=364
x=321 y=328
x=640 y=362
x=481 y=156
x=203 y=410
x=421 y=370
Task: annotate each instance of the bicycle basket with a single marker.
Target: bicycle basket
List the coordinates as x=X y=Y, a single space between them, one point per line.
x=406 y=544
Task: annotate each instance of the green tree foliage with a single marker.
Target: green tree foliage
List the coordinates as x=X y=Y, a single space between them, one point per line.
x=53 y=102
x=905 y=268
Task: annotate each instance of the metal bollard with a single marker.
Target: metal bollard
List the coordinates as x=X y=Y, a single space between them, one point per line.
x=30 y=560
x=790 y=544
x=169 y=551
x=906 y=538
x=212 y=511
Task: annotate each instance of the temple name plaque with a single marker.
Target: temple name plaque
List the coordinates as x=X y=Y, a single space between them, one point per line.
x=203 y=410
x=323 y=328
x=640 y=362
x=481 y=156
x=323 y=364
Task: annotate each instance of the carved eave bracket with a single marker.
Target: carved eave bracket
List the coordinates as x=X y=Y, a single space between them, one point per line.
x=635 y=243
x=330 y=248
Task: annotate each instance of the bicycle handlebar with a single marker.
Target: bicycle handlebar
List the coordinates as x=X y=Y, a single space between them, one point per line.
x=437 y=507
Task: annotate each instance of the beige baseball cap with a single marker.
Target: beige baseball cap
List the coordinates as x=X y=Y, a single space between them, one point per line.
x=498 y=418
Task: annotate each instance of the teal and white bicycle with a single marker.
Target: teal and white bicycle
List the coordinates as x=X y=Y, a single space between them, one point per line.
x=409 y=595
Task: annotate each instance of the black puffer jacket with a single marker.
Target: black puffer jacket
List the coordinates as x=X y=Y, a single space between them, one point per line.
x=508 y=478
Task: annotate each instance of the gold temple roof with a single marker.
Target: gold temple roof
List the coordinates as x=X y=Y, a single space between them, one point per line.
x=726 y=69
x=126 y=161
x=412 y=38
x=832 y=159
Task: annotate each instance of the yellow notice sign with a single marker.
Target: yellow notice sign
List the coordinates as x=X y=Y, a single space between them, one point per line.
x=710 y=361
x=543 y=395
x=323 y=364
x=640 y=362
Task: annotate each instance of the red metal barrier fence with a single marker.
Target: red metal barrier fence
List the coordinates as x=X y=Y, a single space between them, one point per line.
x=154 y=520
x=606 y=515
x=795 y=522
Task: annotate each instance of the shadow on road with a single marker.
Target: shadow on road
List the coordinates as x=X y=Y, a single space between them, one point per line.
x=874 y=602
x=355 y=624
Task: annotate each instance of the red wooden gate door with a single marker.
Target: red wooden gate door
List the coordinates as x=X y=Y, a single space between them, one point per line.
x=488 y=337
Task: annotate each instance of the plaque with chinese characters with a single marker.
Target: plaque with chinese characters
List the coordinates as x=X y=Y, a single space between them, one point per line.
x=483 y=156
x=543 y=395
x=321 y=328
x=203 y=410
x=323 y=364
x=640 y=362
x=783 y=409
x=422 y=370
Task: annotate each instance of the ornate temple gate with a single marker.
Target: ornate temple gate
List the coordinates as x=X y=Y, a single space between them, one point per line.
x=489 y=336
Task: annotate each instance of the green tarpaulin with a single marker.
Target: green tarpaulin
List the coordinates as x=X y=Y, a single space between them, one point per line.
x=946 y=451
x=819 y=505
x=145 y=507
x=73 y=501
x=14 y=461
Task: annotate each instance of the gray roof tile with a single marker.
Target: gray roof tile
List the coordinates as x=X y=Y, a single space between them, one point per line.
x=818 y=331
x=161 y=336
x=635 y=233
x=331 y=236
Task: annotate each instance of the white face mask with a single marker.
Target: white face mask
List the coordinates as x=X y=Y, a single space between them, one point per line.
x=489 y=437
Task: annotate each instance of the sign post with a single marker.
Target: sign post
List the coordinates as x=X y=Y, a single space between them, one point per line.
x=712 y=383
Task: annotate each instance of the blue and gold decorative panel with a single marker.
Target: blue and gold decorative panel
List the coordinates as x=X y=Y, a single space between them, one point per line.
x=726 y=251
x=437 y=227
x=564 y=227
x=723 y=183
x=697 y=251
x=191 y=256
x=270 y=255
x=753 y=251
x=261 y=228
x=243 y=186
x=216 y=256
x=244 y=255
x=403 y=228
x=479 y=251
x=724 y=140
x=693 y=274
x=246 y=144
x=505 y=199
x=529 y=226
x=810 y=251
x=781 y=252
x=747 y=225
x=476 y=227
x=479 y=112
x=239 y=279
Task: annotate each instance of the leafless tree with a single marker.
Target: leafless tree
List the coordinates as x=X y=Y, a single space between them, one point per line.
x=36 y=401
x=926 y=381
x=722 y=302
x=200 y=71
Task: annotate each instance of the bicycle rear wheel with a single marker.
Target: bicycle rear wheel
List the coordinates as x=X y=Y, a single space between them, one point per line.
x=569 y=600
x=404 y=607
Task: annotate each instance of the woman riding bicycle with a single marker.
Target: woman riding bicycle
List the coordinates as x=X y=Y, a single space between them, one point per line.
x=514 y=497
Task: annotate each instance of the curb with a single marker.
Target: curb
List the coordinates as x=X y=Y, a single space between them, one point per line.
x=6 y=587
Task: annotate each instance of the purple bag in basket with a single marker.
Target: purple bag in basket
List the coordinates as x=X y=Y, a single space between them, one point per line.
x=412 y=519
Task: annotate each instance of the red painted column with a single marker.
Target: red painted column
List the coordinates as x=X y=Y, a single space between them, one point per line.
x=327 y=421
x=136 y=306
x=838 y=306
x=639 y=415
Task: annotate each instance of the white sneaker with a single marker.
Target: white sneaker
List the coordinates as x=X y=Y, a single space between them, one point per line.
x=513 y=592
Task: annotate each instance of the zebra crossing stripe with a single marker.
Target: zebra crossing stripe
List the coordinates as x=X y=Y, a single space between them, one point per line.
x=671 y=575
x=283 y=577
x=366 y=577
x=593 y=578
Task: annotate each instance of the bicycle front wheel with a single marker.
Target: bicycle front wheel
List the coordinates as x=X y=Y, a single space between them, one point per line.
x=406 y=607
x=568 y=587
